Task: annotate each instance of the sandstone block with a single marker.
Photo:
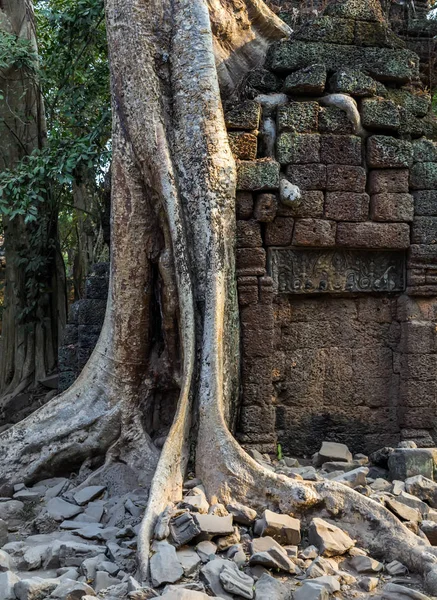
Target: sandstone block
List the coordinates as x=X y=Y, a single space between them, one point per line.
x=403 y=512
x=259 y=316
x=424 y=150
x=333 y=451
x=418 y=105
x=257 y=175
x=346 y=206
x=274 y=559
x=378 y=113
x=242 y=514
x=264 y=81
x=422 y=488
x=308 y=177
x=392 y=207
x=354 y=478
x=280 y=232
x=329 y=539
x=370 y=11
x=265 y=208
x=424 y=230
x=341 y=178
x=248 y=234
x=332 y=30
x=408 y=462
x=244 y=145
x=244 y=205
x=298 y=117
x=365 y=564
x=247 y=290
x=423 y=176
x=269 y=587
x=353 y=82
x=251 y=261
x=425 y=203
x=384 y=152
x=341 y=150
x=392 y=181
x=334 y=120
x=245 y=115
x=214 y=525
x=310 y=81
x=373 y=235
x=314 y=232
x=410 y=125
x=282 y=528
x=310 y=204
x=298 y=148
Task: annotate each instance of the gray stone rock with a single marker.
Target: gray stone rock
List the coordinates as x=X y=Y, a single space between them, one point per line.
x=206 y=550
x=311 y=591
x=35 y=589
x=393 y=591
x=68 y=573
x=7 y=584
x=61 y=510
x=365 y=564
x=310 y=552
x=144 y=593
x=354 y=478
x=264 y=544
x=429 y=528
x=331 y=583
x=88 y=494
x=329 y=539
x=103 y=581
x=274 y=559
x=95 y=510
x=332 y=451
x=236 y=582
x=72 y=590
x=237 y=555
x=396 y=568
x=413 y=502
x=213 y=525
x=184 y=528
x=164 y=564
x=210 y=575
x=423 y=488
x=282 y=528
x=10 y=511
x=6 y=561
x=269 y=587
x=189 y=559
x=93 y=531
x=89 y=566
x=368 y=584
x=162 y=527
x=404 y=463
x=72 y=525
x=403 y=511
x=3 y=533
x=72 y=554
x=242 y=514
x=108 y=566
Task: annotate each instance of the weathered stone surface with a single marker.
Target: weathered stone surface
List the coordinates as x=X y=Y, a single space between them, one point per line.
x=417 y=104
x=189 y=559
x=425 y=202
x=34 y=589
x=365 y=564
x=341 y=150
x=248 y=234
x=334 y=120
x=280 y=232
x=308 y=177
x=88 y=494
x=312 y=591
x=274 y=559
x=214 y=525
x=423 y=488
x=429 y=528
x=164 y=564
x=311 y=204
x=269 y=587
x=206 y=550
x=265 y=208
x=424 y=150
x=347 y=206
x=8 y=579
x=244 y=145
x=424 y=230
x=210 y=574
x=353 y=82
x=384 y=152
x=72 y=554
x=264 y=81
x=327 y=29
x=244 y=205
x=333 y=451
x=379 y=113
x=423 y=176
x=314 y=232
x=404 y=512
x=184 y=528
x=383 y=64
x=392 y=207
x=298 y=148
x=263 y=544
x=389 y=181
x=73 y=590
x=242 y=514
x=309 y=81
x=245 y=115
x=408 y=462
x=282 y=528
x=373 y=235
x=329 y=539
x=236 y=582
x=257 y=175
x=299 y=117
x=355 y=9
x=342 y=178
x=376 y=34
x=61 y=510
x=354 y=478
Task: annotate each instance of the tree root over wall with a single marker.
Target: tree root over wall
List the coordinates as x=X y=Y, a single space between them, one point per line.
x=174 y=184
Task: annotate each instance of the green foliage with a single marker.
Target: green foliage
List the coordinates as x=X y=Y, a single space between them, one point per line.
x=279 y=452
x=16 y=52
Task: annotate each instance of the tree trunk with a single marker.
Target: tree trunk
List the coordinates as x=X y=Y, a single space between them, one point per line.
x=172 y=322
x=35 y=301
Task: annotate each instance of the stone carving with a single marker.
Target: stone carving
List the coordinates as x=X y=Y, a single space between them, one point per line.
x=311 y=271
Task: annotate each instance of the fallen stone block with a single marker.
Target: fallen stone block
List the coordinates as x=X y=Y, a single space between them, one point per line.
x=210 y=575
x=422 y=488
x=311 y=591
x=88 y=494
x=184 y=528
x=365 y=564
x=236 y=582
x=274 y=559
x=213 y=525
x=8 y=579
x=332 y=451
x=282 y=528
x=329 y=539
x=242 y=514
x=164 y=564
x=404 y=463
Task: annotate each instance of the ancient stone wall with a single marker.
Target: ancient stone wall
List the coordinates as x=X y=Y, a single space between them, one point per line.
x=337 y=288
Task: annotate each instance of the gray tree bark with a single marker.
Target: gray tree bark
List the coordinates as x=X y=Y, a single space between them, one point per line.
x=173 y=222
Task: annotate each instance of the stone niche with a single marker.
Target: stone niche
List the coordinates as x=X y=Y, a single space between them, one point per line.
x=337 y=290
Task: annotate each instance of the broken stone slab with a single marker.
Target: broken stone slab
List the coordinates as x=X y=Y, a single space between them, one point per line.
x=210 y=575
x=310 y=552
x=264 y=544
x=35 y=589
x=206 y=550
x=197 y=502
x=8 y=579
x=103 y=581
x=320 y=567
x=402 y=511
x=398 y=487
x=213 y=525
x=72 y=590
x=422 y=488
x=226 y=542
x=242 y=514
x=282 y=528
x=329 y=539
x=332 y=451
x=236 y=582
x=89 y=566
x=61 y=510
x=189 y=559
x=10 y=511
x=354 y=478
x=396 y=568
x=365 y=564
x=96 y=509
x=88 y=494
x=414 y=502
x=269 y=587
x=93 y=531
x=331 y=582
x=429 y=528
x=72 y=554
x=237 y=555
x=368 y=584
x=394 y=591
x=164 y=564
x=274 y=559
x=311 y=591
x=184 y=528
x=404 y=463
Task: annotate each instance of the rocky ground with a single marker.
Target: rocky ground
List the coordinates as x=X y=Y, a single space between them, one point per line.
x=65 y=541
